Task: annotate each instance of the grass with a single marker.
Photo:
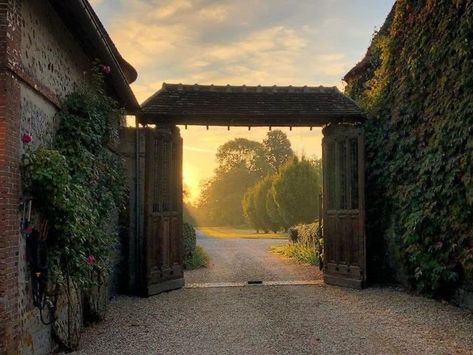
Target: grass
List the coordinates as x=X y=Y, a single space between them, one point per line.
x=198 y=259
x=227 y=232
x=298 y=252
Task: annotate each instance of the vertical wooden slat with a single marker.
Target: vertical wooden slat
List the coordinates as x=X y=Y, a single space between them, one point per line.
x=163 y=211
x=343 y=227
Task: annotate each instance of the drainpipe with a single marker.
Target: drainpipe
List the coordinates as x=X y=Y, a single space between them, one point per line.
x=137 y=206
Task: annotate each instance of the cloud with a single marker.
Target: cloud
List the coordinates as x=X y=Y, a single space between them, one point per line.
x=235 y=42
x=172 y=7
x=251 y=42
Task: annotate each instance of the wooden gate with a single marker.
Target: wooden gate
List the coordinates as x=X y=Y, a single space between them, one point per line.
x=344 y=206
x=163 y=243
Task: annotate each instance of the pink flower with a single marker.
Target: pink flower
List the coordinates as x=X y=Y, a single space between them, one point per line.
x=90 y=259
x=27 y=138
x=105 y=69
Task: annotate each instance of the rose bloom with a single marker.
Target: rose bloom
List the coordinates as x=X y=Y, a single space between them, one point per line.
x=105 y=69
x=26 y=138
x=90 y=259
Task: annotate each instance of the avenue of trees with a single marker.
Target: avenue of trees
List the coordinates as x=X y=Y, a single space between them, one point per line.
x=259 y=184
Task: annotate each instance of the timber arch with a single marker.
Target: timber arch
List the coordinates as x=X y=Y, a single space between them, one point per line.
x=160 y=254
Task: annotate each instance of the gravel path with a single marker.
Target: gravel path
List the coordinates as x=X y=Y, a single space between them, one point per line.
x=309 y=319
x=241 y=260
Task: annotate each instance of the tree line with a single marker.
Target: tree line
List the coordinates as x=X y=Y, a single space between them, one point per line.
x=259 y=184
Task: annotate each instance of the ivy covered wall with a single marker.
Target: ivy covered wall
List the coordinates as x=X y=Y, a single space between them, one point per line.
x=416 y=84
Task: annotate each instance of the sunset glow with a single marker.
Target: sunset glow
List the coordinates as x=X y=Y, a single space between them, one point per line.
x=248 y=42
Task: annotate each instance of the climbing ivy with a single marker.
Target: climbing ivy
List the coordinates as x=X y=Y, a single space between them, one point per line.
x=78 y=184
x=416 y=84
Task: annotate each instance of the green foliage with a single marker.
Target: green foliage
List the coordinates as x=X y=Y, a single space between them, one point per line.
x=255 y=204
x=190 y=241
x=220 y=199
x=242 y=163
x=305 y=244
x=242 y=152
x=418 y=90
x=277 y=149
x=296 y=191
x=308 y=234
x=261 y=191
x=299 y=252
x=249 y=209
x=272 y=210
x=194 y=255
x=197 y=260
x=79 y=184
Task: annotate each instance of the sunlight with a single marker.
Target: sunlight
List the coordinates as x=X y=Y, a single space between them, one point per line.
x=191 y=182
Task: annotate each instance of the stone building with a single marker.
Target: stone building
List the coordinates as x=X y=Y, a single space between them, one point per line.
x=45 y=47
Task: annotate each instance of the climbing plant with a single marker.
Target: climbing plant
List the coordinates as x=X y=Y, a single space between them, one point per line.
x=416 y=84
x=78 y=184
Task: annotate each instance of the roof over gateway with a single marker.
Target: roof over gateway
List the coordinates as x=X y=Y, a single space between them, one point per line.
x=248 y=106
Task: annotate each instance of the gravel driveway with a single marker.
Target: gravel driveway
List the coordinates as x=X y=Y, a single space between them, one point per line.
x=242 y=260
x=308 y=319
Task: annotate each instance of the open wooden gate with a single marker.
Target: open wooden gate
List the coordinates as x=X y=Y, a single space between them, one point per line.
x=163 y=243
x=344 y=206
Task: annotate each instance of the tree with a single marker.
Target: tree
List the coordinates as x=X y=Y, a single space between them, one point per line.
x=272 y=210
x=296 y=192
x=278 y=149
x=243 y=152
x=260 y=192
x=221 y=196
x=242 y=163
x=249 y=208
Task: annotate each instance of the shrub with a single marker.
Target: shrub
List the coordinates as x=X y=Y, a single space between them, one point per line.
x=293 y=234
x=296 y=191
x=190 y=241
x=307 y=234
x=306 y=237
x=197 y=260
x=299 y=252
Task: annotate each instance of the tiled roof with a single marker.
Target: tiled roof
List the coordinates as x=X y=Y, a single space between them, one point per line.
x=248 y=105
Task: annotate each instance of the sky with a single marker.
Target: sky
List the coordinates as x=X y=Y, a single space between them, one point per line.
x=236 y=42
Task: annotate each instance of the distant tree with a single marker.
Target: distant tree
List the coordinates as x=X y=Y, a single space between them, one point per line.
x=296 y=191
x=249 y=208
x=221 y=196
x=272 y=210
x=278 y=149
x=241 y=164
x=243 y=152
x=260 y=192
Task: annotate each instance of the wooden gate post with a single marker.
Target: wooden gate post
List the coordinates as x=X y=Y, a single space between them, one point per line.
x=163 y=244
x=344 y=205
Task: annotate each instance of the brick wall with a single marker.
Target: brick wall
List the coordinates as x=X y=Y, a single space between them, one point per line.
x=40 y=62
x=9 y=176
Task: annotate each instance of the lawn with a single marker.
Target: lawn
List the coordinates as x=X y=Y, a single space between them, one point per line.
x=227 y=232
